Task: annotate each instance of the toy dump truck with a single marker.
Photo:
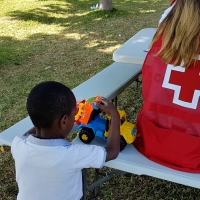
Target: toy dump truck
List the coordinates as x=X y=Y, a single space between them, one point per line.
x=99 y=126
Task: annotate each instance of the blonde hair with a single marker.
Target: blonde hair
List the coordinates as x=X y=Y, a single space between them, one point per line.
x=180 y=32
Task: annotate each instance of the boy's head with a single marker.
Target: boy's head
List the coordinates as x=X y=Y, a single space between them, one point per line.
x=48 y=101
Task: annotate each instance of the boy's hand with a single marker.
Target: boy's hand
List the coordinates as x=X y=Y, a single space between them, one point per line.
x=106 y=106
x=113 y=142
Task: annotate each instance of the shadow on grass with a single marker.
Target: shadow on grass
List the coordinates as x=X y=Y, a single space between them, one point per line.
x=74 y=17
x=48 y=48
x=75 y=13
x=24 y=63
x=8 y=54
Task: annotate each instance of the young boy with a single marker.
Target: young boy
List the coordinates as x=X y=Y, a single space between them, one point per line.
x=47 y=166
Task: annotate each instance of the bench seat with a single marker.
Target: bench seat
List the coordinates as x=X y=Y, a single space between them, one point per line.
x=131 y=161
x=108 y=83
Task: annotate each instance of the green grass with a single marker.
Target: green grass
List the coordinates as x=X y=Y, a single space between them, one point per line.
x=77 y=43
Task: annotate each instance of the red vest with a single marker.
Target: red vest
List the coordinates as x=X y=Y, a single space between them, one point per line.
x=168 y=124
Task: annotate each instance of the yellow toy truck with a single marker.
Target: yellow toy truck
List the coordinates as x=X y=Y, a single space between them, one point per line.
x=100 y=126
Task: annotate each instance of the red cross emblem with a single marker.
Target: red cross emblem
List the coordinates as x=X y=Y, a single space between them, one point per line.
x=185 y=83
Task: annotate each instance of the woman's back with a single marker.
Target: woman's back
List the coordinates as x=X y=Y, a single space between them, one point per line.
x=169 y=124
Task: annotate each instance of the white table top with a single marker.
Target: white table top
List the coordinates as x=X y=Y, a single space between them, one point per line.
x=134 y=50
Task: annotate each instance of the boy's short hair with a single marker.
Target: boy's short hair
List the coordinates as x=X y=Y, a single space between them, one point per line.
x=47 y=101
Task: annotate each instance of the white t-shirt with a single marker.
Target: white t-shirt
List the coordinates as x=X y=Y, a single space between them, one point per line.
x=51 y=169
x=166 y=12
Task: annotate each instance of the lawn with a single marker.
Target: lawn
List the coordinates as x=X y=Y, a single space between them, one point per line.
x=66 y=41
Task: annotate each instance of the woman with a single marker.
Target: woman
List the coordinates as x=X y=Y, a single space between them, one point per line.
x=169 y=122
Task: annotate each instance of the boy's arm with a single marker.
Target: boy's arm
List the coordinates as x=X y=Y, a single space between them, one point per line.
x=113 y=142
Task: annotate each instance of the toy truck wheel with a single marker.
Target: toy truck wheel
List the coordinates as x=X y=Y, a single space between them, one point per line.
x=122 y=143
x=86 y=135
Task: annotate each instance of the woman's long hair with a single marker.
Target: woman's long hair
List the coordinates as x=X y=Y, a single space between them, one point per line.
x=180 y=32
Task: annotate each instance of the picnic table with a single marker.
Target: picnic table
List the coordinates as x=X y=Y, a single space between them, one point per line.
x=135 y=49
x=125 y=70
x=130 y=160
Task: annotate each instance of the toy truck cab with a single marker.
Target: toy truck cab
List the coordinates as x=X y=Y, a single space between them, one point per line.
x=86 y=111
x=127 y=130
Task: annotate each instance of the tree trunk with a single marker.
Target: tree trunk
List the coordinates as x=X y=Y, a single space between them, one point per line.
x=105 y=5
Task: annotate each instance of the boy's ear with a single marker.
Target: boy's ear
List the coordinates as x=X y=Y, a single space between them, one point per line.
x=64 y=122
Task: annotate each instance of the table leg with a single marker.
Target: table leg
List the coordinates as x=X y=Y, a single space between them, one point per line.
x=96 y=178
x=138 y=81
x=98 y=181
x=84 y=184
x=115 y=101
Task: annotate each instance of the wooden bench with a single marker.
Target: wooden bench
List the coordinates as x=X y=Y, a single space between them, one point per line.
x=108 y=83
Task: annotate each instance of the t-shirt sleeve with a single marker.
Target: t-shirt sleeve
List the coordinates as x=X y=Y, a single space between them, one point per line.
x=87 y=156
x=15 y=143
